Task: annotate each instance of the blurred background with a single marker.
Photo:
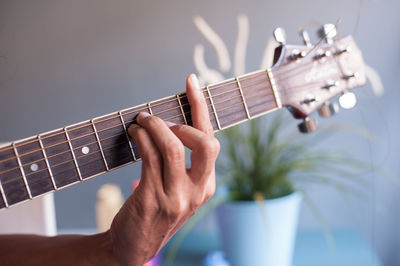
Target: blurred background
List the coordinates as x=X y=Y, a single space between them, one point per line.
x=62 y=62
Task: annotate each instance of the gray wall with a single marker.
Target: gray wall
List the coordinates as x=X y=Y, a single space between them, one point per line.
x=66 y=61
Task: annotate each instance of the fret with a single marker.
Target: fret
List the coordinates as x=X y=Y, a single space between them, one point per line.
x=3 y=199
x=213 y=108
x=60 y=158
x=113 y=139
x=73 y=153
x=180 y=107
x=274 y=88
x=12 y=183
x=228 y=103
x=126 y=135
x=53 y=182
x=21 y=168
x=186 y=115
x=168 y=109
x=258 y=93
x=34 y=166
x=87 y=149
x=129 y=116
x=148 y=107
x=100 y=146
x=244 y=100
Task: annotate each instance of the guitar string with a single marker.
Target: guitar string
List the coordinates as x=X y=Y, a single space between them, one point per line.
x=251 y=87
x=78 y=157
x=246 y=77
x=169 y=118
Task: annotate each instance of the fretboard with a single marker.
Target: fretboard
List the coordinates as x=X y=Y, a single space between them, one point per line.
x=54 y=160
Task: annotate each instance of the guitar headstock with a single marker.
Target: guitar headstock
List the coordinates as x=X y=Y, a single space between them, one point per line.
x=308 y=77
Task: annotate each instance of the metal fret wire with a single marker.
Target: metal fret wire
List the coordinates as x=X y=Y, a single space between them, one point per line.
x=21 y=168
x=100 y=145
x=47 y=163
x=3 y=195
x=78 y=157
x=127 y=136
x=73 y=154
x=251 y=88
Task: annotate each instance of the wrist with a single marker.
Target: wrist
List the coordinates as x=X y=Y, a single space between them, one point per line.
x=101 y=252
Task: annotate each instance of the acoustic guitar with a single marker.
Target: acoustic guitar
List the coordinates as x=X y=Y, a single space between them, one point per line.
x=302 y=79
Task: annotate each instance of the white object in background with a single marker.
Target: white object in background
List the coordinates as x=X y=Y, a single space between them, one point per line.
x=109 y=201
x=36 y=216
x=263 y=233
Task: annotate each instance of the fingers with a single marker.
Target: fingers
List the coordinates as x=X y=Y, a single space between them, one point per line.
x=170 y=147
x=205 y=149
x=151 y=157
x=198 y=105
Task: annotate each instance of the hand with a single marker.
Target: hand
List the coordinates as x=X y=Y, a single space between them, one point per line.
x=168 y=193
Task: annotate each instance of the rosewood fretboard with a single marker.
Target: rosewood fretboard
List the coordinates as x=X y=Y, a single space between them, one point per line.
x=56 y=159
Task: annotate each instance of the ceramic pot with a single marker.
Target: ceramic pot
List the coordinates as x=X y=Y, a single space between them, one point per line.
x=256 y=233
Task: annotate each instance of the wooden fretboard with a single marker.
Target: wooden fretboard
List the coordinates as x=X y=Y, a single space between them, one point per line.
x=53 y=160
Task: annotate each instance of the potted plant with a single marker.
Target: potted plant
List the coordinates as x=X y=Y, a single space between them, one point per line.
x=263 y=172
x=263 y=168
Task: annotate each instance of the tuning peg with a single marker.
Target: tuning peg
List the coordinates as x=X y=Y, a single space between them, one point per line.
x=306 y=38
x=280 y=36
x=348 y=100
x=328 y=109
x=308 y=125
x=328 y=31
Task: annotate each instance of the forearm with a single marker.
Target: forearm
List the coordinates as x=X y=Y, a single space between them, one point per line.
x=58 y=250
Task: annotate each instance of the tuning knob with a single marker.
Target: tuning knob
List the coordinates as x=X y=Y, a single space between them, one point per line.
x=348 y=100
x=306 y=38
x=328 y=31
x=280 y=36
x=308 y=125
x=328 y=109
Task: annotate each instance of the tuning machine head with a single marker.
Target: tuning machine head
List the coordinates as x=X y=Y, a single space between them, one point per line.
x=327 y=31
x=347 y=100
x=328 y=109
x=308 y=125
x=280 y=36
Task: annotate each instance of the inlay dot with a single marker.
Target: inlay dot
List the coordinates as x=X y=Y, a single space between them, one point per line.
x=85 y=150
x=34 y=167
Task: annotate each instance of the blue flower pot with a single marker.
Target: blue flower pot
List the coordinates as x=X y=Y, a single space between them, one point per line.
x=259 y=233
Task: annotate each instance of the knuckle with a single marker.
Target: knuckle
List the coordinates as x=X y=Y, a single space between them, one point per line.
x=153 y=121
x=175 y=210
x=210 y=146
x=175 y=150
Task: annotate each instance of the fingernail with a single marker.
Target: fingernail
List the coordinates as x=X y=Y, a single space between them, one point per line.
x=170 y=124
x=195 y=81
x=142 y=115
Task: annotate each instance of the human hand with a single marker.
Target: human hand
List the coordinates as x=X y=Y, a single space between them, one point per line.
x=168 y=193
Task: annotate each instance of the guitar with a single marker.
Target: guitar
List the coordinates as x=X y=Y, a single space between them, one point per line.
x=302 y=79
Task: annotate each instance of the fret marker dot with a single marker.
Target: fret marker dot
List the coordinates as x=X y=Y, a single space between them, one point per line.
x=85 y=150
x=34 y=167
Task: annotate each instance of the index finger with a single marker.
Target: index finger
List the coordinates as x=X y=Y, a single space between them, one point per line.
x=198 y=106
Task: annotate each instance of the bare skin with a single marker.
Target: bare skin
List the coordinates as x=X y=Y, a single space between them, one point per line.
x=167 y=196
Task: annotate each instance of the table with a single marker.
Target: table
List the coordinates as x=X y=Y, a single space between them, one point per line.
x=311 y=249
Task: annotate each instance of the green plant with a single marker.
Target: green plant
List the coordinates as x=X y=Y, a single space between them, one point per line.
x=263 y=159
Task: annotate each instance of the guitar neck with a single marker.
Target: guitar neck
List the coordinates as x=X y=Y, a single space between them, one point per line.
x=54 y=160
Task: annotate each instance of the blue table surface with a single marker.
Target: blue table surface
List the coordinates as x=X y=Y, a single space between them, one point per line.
x=311 y=249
